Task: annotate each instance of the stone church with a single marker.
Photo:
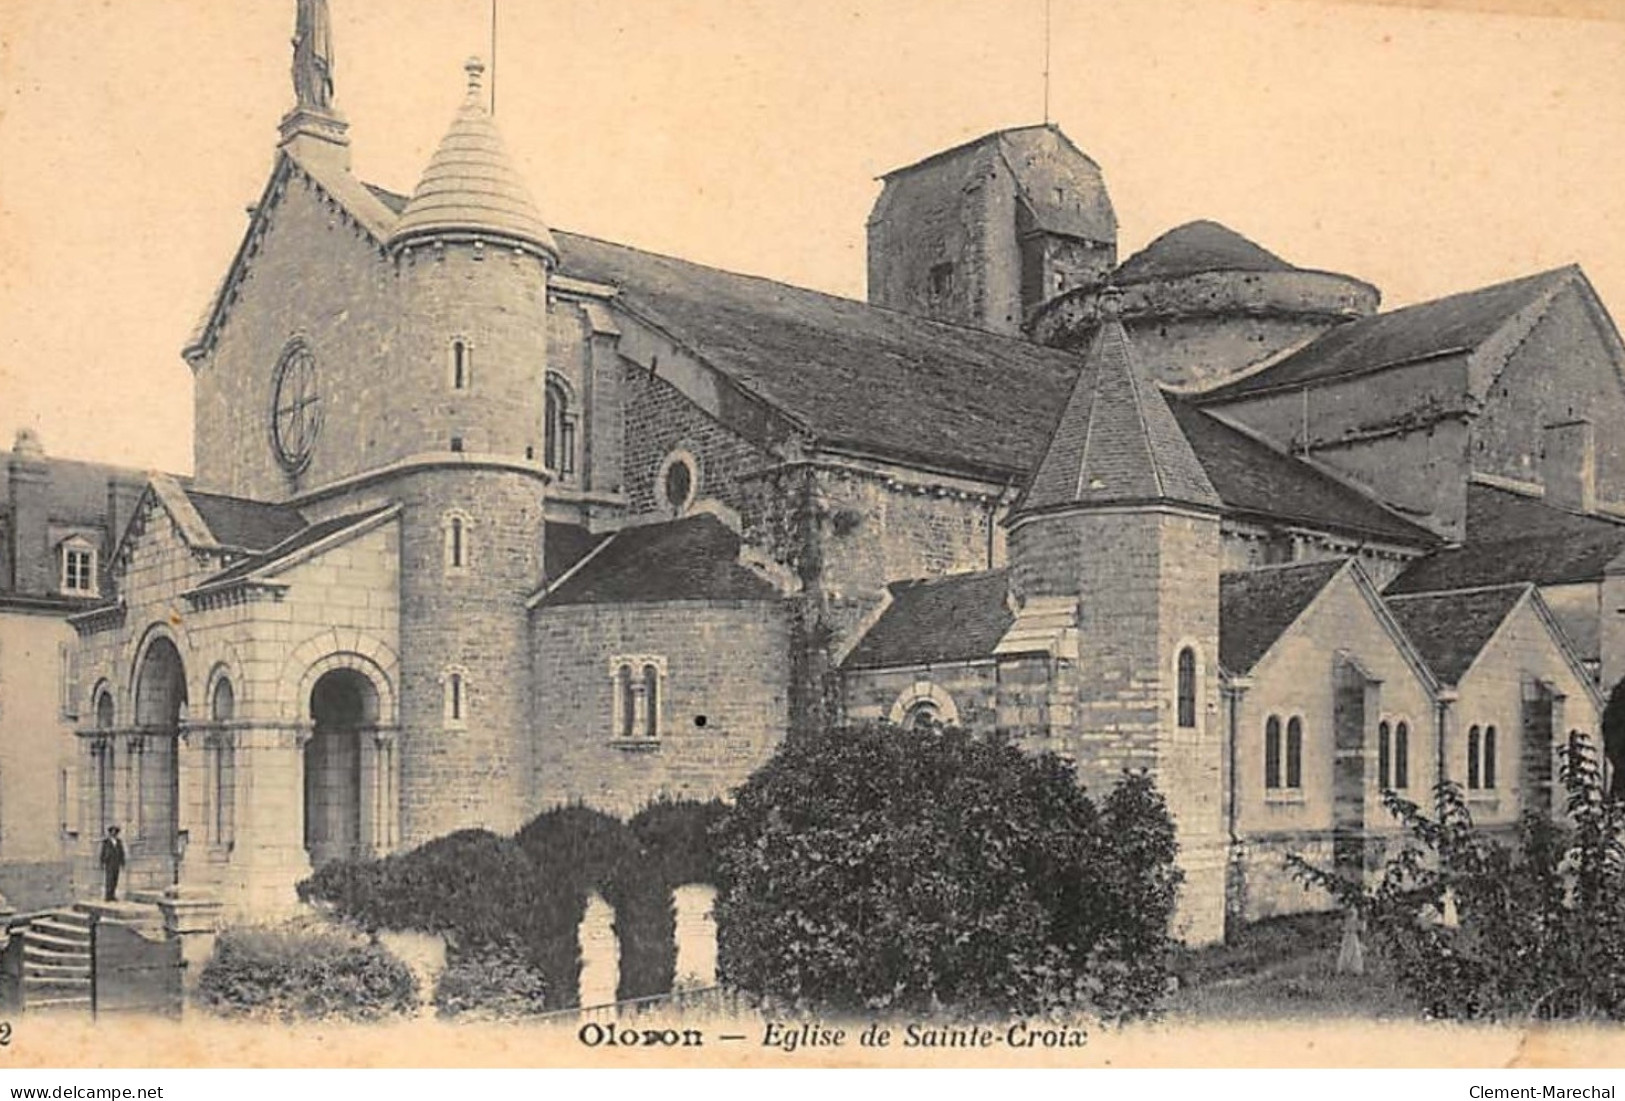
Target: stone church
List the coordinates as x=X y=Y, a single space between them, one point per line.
x=488 y=517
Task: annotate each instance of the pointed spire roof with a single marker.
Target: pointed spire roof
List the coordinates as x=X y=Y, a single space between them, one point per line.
x=1117 y=441
x=471 y=189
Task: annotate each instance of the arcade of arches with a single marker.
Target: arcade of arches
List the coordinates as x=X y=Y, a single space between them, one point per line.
x=188 y=789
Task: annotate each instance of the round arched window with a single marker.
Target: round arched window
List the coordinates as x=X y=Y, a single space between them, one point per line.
x=296 y=411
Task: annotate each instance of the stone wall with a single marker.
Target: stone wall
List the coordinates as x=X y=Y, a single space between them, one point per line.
x=1563 y=370
x=381 y=331
x=724 y=708
x=470 y=622
x=1296 y=678
x=1509 y=673
x=660 y=420
x=38 y=717
x=942 y=242
x=872 y=694
x=1197 y=331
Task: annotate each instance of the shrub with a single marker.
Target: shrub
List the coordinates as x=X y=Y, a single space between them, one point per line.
x=496 y=983
x=300 y=974
x=883 y=868
x=1541 y=925
x=579 y=849
x=677 y=835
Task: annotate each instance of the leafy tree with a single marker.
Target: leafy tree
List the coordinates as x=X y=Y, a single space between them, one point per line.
x=923 y=869
x=1540 y=925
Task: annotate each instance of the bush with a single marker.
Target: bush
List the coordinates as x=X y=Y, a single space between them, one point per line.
x=1541 y=925
x=677 y=835
x=493 y=984
x=298 y=974
x=509 y=908
x=578 y=849
x=913 y=870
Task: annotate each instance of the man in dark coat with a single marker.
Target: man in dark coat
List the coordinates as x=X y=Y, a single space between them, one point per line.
x=112 y=860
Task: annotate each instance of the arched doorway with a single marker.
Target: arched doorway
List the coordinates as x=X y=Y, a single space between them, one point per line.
x=343 y=707
x=150 y=813
x=1613 y=738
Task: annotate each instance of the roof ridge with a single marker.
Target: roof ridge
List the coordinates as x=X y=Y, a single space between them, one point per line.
x=1463 y=591
x=891 y=311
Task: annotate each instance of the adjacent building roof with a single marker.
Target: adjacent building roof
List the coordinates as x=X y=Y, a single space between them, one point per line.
x=563 y=545
x=1512 y=538
x=471 y=188
x=1253 y=477
x=1454 y=325
x=1450 y=629
x=693 y=558
x=1193 y=248
x=301 y=540
x=1257 y=606
x=1117 y=442
x=960 y=617
x=242 y=524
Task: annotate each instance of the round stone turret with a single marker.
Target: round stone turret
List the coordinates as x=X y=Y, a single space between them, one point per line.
x=471 y=191
x=1202 y=304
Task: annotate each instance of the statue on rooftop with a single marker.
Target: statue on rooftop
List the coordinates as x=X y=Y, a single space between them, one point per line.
x=313 y=56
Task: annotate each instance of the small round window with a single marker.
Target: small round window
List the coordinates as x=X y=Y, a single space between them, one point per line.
x=676 y=483
x=296 y=413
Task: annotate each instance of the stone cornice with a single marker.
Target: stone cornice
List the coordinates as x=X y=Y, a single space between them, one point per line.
x=423 y=461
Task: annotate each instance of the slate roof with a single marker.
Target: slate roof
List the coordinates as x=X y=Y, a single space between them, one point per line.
x=692 y=558
x=304 y=538
x=471 y=186
x=1193 y=248
x=1454 y=325
x=563 y=545
x=960 y=617
x=1117 y=441
x=889 y=384
x=77 y=492
x=245 y=524
x=1253 y=477
x=1450 y=629
x=857 y=376
x=1257 y=606
x=1513 y=538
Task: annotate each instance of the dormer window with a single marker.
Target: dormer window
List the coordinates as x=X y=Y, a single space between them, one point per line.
x=78 y=568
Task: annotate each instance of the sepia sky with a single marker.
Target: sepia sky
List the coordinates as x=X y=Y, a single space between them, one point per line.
x=1425 y=151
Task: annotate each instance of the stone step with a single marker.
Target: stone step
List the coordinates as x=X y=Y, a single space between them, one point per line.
x=70 y=1003
x=57 y=930
x=45 y=942
x=35 y=952
x=72 y=916
x=38 y=970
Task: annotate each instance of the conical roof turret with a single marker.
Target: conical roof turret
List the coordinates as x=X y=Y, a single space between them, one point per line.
x=471 y=190
x=1117 y=442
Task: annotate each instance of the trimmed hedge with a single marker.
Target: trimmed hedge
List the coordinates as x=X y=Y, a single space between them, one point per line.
x=510 y=907
x=296 y=974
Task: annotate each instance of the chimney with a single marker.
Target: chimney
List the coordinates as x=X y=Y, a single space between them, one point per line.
x=29 y=480
x=1568 y=467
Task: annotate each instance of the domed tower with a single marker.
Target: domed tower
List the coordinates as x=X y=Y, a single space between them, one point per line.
x=473 y=258
x=1203 y=303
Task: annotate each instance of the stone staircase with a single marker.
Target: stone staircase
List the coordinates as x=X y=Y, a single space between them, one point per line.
x=56 y=962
